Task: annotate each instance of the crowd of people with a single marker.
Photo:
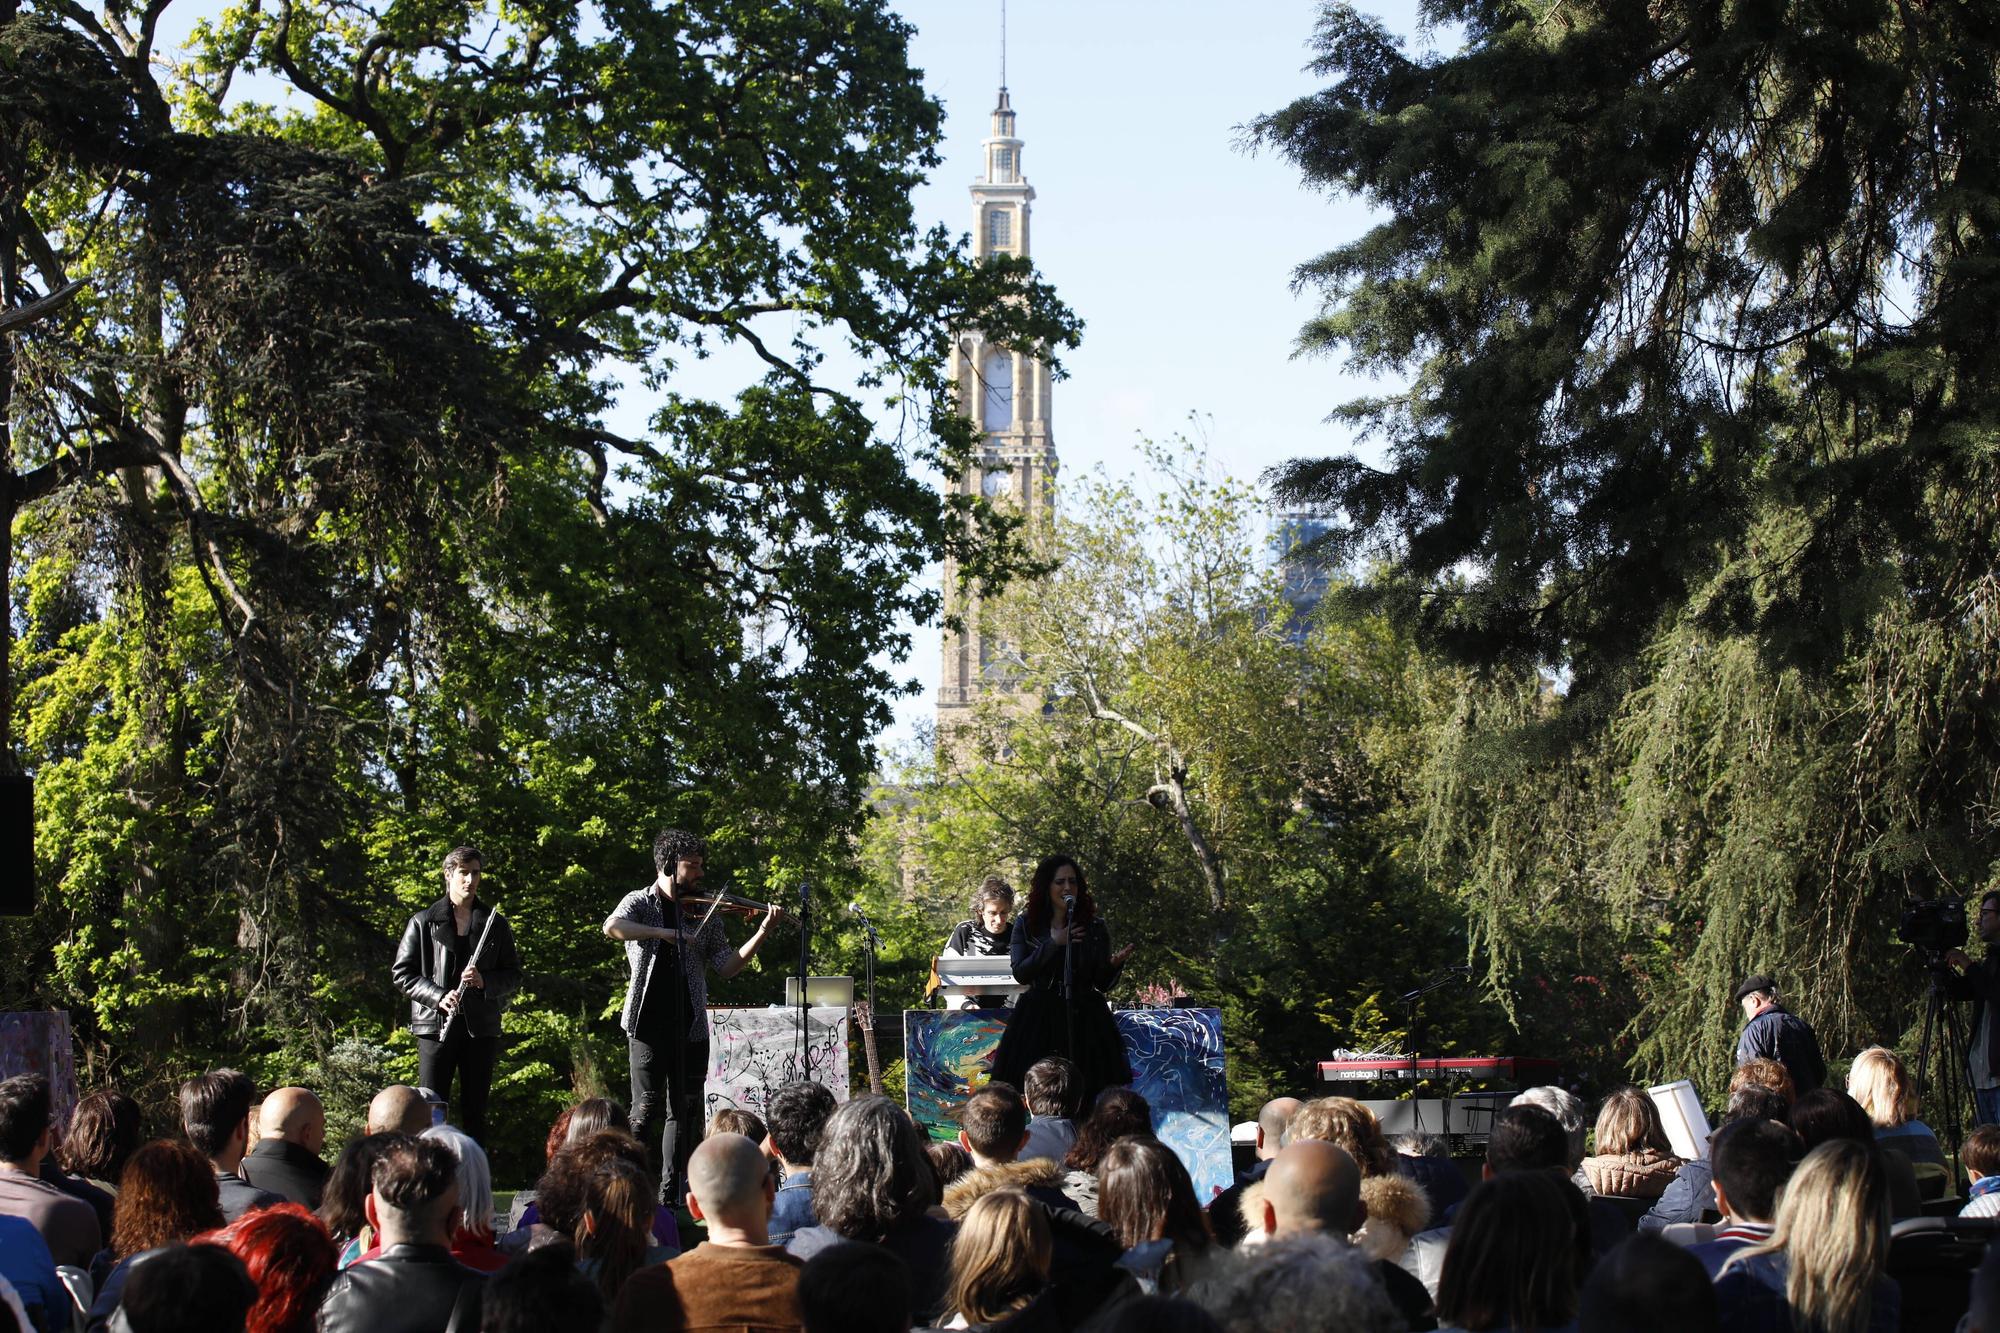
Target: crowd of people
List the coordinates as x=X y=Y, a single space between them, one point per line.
x=1043 y=1215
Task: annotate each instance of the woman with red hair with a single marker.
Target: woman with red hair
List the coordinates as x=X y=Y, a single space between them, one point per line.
x=291 y=1257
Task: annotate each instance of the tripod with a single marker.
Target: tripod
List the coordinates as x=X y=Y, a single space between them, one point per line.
x=1942 y=1024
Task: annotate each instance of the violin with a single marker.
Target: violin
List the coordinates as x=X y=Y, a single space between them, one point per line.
x=734 y=903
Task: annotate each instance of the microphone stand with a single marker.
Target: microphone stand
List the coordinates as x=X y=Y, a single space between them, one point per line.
x=805 y=971
x=1069 y=973
x=1413 y=999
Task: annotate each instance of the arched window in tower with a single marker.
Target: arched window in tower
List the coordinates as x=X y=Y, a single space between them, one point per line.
x=999 y=229
x=997 y=404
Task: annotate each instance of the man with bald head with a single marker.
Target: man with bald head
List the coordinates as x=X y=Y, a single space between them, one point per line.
x=1225 y=1211
x=291 y=1133
x=734 y=1279
x=399 y=1109
x=1313 y=1186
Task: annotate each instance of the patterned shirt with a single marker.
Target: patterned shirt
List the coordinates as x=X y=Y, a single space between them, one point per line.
x=643 y=907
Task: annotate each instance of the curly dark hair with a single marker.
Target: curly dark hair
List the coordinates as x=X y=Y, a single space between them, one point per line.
x=872 y=1176
x=673 y=845
x=103 y=1133
x=1041 y=894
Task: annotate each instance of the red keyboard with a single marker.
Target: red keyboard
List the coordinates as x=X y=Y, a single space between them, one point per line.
x=1518 y=1068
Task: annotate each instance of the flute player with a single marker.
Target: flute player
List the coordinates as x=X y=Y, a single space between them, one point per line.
x=436 y=969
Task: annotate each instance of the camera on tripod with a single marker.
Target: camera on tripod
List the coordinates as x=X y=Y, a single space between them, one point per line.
x=1933 y=925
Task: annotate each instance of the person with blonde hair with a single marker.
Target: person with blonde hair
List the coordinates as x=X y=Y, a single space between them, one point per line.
x=1633 y=1159
x=1881 y=1082
x=999 y=1259
x=1824 y=1267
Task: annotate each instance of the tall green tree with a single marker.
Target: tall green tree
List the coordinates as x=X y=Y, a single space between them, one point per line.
x=1693 y=472
x=330 y=545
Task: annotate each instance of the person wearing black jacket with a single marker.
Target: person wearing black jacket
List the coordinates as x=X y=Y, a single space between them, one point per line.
x=1062 y=952
x=414 y=1285
x=433 y=961
x=1980 y=983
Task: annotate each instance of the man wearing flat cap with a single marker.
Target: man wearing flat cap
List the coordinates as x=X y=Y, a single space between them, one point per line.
x=1776 y=1033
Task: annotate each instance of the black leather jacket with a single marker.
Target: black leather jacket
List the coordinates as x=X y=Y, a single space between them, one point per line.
x=423 y=969
x=405 y=1289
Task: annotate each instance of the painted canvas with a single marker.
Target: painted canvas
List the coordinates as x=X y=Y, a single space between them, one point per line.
x=1177 y=1066
x=1176 y=1058
x=944 y=1061
x=754 y=1052
x=38 y=1042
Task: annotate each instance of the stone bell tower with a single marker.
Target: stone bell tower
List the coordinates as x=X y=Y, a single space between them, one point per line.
x=1006 y=392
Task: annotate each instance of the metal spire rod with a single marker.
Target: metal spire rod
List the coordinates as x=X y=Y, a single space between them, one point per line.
x=1003 y=43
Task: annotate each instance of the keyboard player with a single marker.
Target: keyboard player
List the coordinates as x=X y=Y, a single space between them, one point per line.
x=984 y=934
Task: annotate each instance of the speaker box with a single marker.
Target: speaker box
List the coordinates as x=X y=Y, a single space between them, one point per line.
x=17 y=844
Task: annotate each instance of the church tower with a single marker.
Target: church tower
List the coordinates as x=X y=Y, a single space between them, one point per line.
x=1007 y=394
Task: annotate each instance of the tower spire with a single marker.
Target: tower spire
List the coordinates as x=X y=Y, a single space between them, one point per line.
x=1003 y=45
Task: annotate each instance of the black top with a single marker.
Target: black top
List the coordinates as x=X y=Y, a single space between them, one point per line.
x=1039 y=963
x=656 y=1019
x=287 y=1169
x=969 y=939
x=406 y=1289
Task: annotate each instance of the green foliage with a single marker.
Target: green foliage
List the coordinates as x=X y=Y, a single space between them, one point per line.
x=1231 y=780
x=1692 y=474
x=325 y=552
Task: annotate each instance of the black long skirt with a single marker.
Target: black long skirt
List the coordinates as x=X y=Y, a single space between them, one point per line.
x=1038 y=1026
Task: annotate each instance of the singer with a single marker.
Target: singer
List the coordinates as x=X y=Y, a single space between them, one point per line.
x=435 y=977
x=1061 y=952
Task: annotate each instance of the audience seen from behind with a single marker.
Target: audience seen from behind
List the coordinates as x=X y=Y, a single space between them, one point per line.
x=614 y=1236
x=1154 y=1314
x=1520 y=1249
x=1881 y=1083
x=540 y=1291
x=1571 y=1114
x=1981 y=1159
x=993 y=1125
x=472 y=1244
x=873 y=1183
x=1225 y=1210
x=948 y=1162
x=1633 y=1159
x=1394 y=1201
x=215 y=1116
x=795 y=1117
x=344 y=1202
x=1689 y=1198
x=561 y=1193
x=849 y=1287
x=1647 y=1285
x=168 y=1193
x=1315 y=1188
x=1305 y=1284
x=736 y=1278
x=189 y=1289
x=1050 y=1091
x=104 y=1131
x=399 y=1109
x=736 y=1120
x=1145 y=1195
x=291 y=1135
x=68 y=1226
x=1751 y=1159
x=1000 y=1262
x=1826 y=1114
x=290 y=1257
x=1824 y=1266
x=1523 y=1139
x=1118 y=1113
x=414 y=1285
